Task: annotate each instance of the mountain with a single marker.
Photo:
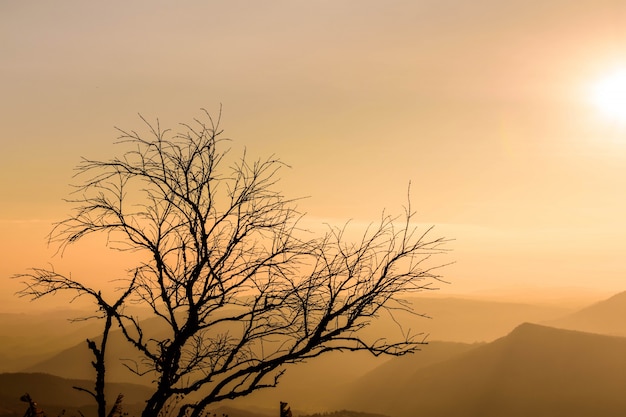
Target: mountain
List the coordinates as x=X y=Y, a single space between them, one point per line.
x=401 y=369
x=450 y=319
x=313 y=386
x=319 y=384
x=27 y=338
x=75 y=361
x=54 y=394
x=605 y=317
x=464 y=320
x=533 y=371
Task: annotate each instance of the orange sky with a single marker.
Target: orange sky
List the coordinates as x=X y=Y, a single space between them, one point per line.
x=484 y=105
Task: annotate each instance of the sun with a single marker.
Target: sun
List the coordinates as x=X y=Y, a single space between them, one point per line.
x=609 y=95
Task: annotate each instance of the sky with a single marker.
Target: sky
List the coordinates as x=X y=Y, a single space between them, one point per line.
x=488 y=108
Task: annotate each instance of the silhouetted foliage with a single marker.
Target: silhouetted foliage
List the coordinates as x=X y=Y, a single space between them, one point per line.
x=223 y=262
x=285 y=410
x=345 y=413
x=33 y=409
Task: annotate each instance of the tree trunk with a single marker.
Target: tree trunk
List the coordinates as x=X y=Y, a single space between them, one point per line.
x=156 y=403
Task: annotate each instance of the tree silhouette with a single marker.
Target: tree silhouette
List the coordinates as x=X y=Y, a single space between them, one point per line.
x=41 y=282
x=240 y=287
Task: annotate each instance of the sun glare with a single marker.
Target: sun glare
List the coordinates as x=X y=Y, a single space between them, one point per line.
x=609 y=96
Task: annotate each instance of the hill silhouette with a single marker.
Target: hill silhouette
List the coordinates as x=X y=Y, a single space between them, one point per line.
x=119 y=352
x=54 y=394
x=28 y=338
x=399 y=371
x=319 y=384
x=534 y=371
x=480 y=377
x=468 y=321
x=452 y=319
x=605 y=317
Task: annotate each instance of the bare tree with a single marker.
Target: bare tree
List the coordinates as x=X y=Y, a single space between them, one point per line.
x=240 y=287
x=41 y=282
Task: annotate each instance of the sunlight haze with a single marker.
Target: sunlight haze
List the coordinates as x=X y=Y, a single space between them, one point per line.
x=507 y=118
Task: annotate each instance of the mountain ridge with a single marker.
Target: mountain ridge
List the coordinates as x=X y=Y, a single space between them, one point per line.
x=604 y=317
x=534 y=370
x=54 y=394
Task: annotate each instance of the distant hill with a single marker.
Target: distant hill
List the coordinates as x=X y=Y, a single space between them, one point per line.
x=398 y=371
x=319 y=384
x=27 y=338
x=312 y=386
x=79 y=358
x=470 y=321
x=452 y=319
x=534 y=371
x=75 y=363
x=604 y=317
x=337 y=381
x=54 y=394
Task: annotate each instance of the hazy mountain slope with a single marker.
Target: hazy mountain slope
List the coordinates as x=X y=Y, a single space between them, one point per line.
x=27 y=338
x=605 y=317
x=469 y=321
x=318 y=385
x=54 y=394
x=453 y=319
x=75 y=362
x=312 y=386
x=398 y=371
x=535 y=370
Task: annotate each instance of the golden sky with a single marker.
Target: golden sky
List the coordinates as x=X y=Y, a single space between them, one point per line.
x=486 y=106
